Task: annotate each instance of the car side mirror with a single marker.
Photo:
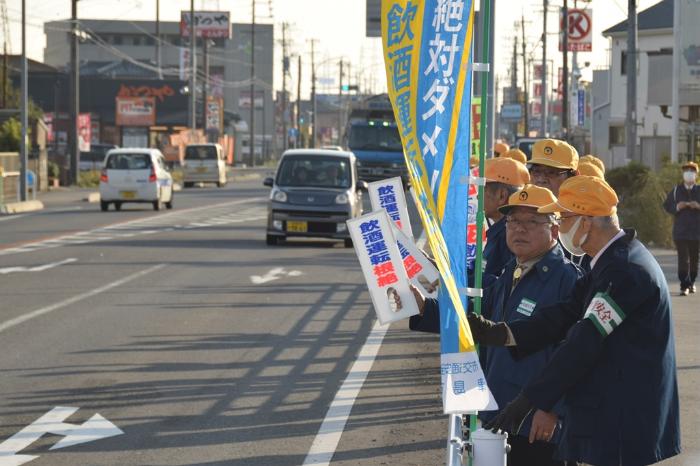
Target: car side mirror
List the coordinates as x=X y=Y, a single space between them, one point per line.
x=361 y=185
x=268 y=182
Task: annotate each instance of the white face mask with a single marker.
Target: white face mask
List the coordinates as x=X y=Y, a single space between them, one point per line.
x=567 y=239
x=689 y=176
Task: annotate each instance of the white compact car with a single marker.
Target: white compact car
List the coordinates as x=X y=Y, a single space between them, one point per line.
x=204 y=163
x=135 y=175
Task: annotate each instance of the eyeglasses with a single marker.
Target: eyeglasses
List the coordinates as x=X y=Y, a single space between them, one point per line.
x=527 y=224
x=538 y=170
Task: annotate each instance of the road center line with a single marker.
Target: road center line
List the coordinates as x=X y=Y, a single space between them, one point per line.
x=45 y=310
x=328 y=436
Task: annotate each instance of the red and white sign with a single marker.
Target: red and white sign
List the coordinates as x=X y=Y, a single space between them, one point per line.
x=580 y=30
x=135 y=111
x=210 y=24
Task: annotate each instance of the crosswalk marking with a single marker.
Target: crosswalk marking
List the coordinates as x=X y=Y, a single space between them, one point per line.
x=217 y=215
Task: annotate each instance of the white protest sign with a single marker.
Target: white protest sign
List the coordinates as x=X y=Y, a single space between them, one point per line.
x=381 y=263
x=388 y=195
x=421 y=272
x=464 y=387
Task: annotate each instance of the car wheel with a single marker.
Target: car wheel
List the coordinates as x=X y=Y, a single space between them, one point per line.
x=104 y=206
x=117 y=206
x=169 y=204
x=270 y=240
x=157 y=205
x=188 y=184
x=219 y=184
x=348 y=242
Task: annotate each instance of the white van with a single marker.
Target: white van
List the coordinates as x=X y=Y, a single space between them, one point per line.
x=135 y=175
x=204 y=163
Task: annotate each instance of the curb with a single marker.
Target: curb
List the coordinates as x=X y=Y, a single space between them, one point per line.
x=92 y=198
x=21 y=207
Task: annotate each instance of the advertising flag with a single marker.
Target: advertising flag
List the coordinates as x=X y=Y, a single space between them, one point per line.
x=427 y=54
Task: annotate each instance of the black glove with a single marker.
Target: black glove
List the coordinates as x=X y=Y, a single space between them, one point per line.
x=511 y=418
x=486 y=331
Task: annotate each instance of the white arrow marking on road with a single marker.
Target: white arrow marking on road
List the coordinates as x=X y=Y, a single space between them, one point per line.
x=39 y=268
x=96 y=428
x=274 y=274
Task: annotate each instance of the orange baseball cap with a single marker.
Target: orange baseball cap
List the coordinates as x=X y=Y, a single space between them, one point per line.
x=590 y=169
x=507 y=171
x=516 y=154
x=594 y=160
x=500 y=148
x=530 y=196
x=584 y=195
x=554 y=153
x=690 y=166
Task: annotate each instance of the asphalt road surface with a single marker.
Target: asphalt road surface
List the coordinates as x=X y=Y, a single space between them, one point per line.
x=180 y=338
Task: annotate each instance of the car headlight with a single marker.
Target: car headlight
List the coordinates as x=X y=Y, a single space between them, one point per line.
x=342 y=198
x=279 y=196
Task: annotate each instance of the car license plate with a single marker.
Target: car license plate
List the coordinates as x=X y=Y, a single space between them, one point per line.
x=297 y=227
x=201 y=169
x=128 y=194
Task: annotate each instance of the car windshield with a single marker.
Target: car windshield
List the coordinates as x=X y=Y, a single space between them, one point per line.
x=316 y=172
x=129 y=162
x=200 y=153
x=374 y=137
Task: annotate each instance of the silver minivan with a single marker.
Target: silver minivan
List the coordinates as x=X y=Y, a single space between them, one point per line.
x=313 y=193
x=204 y=163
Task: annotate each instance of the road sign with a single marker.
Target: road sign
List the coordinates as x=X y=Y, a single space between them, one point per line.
x=511 y=111
x=580 y=30
x=209 y=24
x=581 y=107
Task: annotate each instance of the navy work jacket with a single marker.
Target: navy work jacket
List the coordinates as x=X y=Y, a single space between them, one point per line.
x=550 y=280
x=496 y=252
x=686 y=222
x=619 y=386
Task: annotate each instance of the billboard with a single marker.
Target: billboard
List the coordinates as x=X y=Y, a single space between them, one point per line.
x=690 y=45
x=580 y=30
x=135 y=111
x=209 y=24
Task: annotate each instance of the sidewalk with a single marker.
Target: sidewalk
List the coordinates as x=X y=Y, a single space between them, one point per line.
x=686 y=315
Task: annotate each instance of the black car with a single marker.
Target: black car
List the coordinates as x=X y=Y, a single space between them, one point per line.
x=313 y=193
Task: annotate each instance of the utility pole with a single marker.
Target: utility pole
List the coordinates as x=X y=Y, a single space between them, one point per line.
x=676 y=81
x=205 y=84
x=252 y=89
x=299 y=138
x=514 y=85
x=193 y=74
x=73 y=149
x=313 y=96
x=23 y=113
x=631 y=118
x=3 y=102
x=565 y=72
x=340 y=101
x=158 y=63
x=526 y=99
x=543 y=110
x=285 y=70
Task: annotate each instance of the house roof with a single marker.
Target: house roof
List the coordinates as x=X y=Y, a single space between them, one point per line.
x=659 y=16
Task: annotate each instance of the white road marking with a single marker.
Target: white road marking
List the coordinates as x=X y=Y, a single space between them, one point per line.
x=5 y=218
x=95 y=428
x=328 y=436
x=67 y=302
x=274 y=274
x=39 y=268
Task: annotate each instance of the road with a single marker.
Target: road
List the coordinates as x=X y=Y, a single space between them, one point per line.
x=206 y=347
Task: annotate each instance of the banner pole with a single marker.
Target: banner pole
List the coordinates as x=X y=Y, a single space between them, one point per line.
x=478 y=269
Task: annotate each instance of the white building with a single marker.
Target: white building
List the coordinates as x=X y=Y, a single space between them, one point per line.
x=655 y=49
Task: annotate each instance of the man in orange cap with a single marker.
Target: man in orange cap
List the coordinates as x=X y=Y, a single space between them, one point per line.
x=539 y=275
x=553 y=161
x=516 y=154
x=503 y=177
x=500 y=148
x=615 y=369
x=683 y=202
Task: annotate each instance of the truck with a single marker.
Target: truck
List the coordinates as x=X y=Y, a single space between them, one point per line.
x=372 y=135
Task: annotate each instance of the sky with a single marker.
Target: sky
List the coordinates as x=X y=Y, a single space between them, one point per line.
x=337 y=26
